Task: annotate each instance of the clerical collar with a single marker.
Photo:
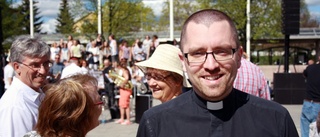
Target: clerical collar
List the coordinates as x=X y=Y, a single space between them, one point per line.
x=214 y=105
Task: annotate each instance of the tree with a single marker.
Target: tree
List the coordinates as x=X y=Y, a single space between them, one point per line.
x=305 y=18
x=266 y=19
x=89 y=25
x=82 y=7
x=182 y=9
x=10 y=17
x=123 y=16
x=119 y=17
x=24 y=10
x=65 y=19
x=84 y=11
x=265 y=15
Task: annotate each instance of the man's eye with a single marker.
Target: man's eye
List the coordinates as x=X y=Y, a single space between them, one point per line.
x=35 y=66
x=221 y=52
x=196 y=54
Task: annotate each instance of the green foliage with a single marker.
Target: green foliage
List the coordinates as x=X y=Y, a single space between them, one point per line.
x=205 y=4
x=182 y=9
x=16 y=21
x=266 y=19
x=9 y=18
x=236 y=9
x=121 y=17
x=89 y=26
x=65 y=19
x=264 y=15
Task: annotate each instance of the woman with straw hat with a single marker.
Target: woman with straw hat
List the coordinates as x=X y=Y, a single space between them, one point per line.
x=164 y=73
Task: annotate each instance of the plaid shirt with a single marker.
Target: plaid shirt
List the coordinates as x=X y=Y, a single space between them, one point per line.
x=250 y=79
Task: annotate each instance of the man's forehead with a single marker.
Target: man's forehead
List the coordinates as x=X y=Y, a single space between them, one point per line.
x=35 y=59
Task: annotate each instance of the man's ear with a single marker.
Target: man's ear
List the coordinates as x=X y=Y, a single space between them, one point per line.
x=239 y=56
x=182 y=61
x=16 y=67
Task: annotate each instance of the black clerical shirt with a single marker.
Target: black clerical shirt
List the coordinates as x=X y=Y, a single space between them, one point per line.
x=242 y=115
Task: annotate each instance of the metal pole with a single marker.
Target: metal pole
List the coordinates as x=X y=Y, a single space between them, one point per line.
x=1 y=37
x=99 y=17
x=171 y=20
x=2 y=58
x=31 y=19
x=286 y=53
x=248 y=31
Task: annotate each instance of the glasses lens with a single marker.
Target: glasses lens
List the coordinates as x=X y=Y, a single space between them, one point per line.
x=156 y=77
x=223 y=54
x=219 y=55
x=196 y=57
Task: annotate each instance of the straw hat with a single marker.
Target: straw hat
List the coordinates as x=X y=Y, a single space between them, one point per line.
x=165 y=57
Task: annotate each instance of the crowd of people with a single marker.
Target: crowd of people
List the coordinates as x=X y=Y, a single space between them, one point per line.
x=205 y=84
x=92 y=55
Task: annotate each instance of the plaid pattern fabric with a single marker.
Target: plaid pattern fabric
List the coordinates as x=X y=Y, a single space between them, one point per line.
x=250 y=79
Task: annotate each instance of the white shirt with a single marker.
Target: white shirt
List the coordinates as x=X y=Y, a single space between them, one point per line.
x=19 y=109
x=95 y=52
x=8 y=73
x=54 y=51
x=146 y=43
x=313 y=131
x=113 y=46
x=70 y=70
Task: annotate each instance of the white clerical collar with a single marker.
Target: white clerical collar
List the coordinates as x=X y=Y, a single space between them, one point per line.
x=214 y=105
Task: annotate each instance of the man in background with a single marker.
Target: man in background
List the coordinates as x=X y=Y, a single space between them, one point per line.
x=8 y=75
x=56 y=69
x=311 y=103
x=251 y=79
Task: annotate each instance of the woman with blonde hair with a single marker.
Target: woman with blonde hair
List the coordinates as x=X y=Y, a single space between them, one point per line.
x=71 y=107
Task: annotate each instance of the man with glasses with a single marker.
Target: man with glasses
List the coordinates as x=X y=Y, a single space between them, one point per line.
x=211 y=57
x=30 y=59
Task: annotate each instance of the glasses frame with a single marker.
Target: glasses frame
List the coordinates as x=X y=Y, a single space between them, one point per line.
x=234 y=50
x=156 y=77
x=36 y=69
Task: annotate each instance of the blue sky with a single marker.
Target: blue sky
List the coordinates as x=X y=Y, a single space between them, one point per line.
x=314 y=7
x=50 y=8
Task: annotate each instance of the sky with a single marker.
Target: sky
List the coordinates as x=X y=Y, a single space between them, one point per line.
x=49 y=10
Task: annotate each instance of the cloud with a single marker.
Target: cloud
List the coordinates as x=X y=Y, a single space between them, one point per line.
x=49 y=26
x=49 y=8
x=313 y=2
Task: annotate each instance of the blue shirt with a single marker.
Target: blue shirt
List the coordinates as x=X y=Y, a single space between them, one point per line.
x=56 y=68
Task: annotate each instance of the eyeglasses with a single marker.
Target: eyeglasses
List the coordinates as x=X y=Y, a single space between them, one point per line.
x=218 y=55
x=99 y=103
x=156 y=77
x=37 y=67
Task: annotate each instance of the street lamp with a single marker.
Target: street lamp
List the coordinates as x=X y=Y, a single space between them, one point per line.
x=99 y=17
x=171 y=20
x=31 y=19
x=248 y=30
